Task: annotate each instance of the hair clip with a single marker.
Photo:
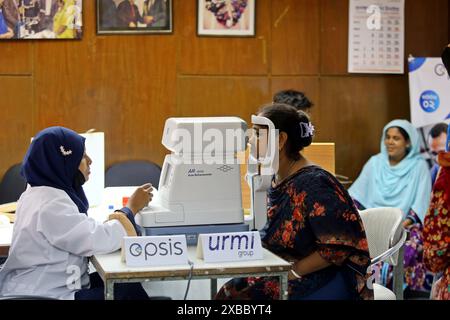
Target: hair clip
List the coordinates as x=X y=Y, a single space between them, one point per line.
x=307 y=129
x=64 y=152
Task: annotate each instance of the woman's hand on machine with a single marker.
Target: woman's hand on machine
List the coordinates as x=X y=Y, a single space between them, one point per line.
x=140 y=198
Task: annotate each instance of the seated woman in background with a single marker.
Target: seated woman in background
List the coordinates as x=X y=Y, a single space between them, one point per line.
x=436 y=231
x=53 y=236
x=399 y=177
x=312 y=222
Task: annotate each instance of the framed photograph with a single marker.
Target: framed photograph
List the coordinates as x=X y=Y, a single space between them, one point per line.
x=134 y=16
x=41 y=19
x=226 y=18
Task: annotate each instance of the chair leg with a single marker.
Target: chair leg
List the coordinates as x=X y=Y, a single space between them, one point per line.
x=399 y=272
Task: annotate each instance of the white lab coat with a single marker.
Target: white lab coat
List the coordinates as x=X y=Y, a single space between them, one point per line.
x=51 y=240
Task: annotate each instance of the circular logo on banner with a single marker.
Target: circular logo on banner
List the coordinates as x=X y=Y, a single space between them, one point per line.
x=429 y=101
x=135 y=249
x=440 y=70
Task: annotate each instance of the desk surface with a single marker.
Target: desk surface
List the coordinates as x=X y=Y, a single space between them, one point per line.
x=111 y=266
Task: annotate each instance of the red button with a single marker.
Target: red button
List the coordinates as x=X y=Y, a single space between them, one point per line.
x=125 y=201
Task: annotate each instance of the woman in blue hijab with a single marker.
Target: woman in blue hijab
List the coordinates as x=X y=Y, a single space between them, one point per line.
x=53 y=160
x=53 y=236
x=399 y=177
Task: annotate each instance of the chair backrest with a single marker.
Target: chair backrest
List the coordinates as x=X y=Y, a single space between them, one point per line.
x=384 y=229
x=132 y=173
x=12 y=185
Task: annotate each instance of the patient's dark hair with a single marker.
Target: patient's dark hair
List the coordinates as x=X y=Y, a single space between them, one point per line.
x=294 y=98
x=291 y=121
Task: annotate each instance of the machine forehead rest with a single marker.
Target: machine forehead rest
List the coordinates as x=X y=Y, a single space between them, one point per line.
x=194 y=135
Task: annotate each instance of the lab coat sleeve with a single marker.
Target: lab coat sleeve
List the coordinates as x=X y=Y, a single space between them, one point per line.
x=69 y=230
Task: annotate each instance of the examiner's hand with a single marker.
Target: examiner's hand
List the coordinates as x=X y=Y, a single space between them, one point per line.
x=140 y=198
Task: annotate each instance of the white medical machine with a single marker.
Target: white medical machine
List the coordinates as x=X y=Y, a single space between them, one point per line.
x=200 y=188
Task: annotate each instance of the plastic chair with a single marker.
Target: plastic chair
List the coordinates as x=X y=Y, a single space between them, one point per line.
x=386 y=237
x=132 y=173
x=12 y=185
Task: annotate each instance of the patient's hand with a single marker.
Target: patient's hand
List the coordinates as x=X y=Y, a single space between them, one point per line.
x=140 y=198
x=407 y=223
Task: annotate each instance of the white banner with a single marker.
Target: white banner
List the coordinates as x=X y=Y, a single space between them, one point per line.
x=429 y=91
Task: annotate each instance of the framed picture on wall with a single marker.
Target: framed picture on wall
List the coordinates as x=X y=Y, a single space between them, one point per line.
x=41 y=19
x=134 y=16
x=226 y=18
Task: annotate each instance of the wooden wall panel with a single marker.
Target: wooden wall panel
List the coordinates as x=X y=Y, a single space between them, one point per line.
x=222 y=55
x=16 y=114
x=130 y=112
x=295 y=52
x=334 y=36
x=122 y=85
x=353 y=113
x=212 y=96
x=128 y=85
x=427 y=27
x=15 y=58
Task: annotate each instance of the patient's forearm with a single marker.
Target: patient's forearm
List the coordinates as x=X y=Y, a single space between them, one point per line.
x=310 y=264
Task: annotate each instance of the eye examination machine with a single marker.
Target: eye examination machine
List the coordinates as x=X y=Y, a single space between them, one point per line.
x=200 y=184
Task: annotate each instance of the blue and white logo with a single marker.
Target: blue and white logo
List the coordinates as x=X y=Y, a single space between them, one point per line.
x=155 y=250
x=430 y=101
x=135 y=249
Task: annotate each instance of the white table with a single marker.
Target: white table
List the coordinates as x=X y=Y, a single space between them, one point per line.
x=113 y=270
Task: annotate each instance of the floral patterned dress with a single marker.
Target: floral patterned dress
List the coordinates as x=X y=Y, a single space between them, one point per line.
x=310 y=212
x=436 y=234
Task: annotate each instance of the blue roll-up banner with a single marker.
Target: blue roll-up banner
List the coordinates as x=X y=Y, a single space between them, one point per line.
x=429 y=91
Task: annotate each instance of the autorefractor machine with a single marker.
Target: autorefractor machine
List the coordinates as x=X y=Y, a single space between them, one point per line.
x=200 y=187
